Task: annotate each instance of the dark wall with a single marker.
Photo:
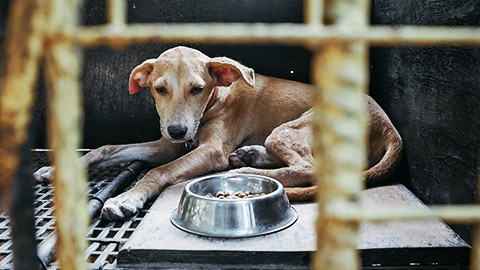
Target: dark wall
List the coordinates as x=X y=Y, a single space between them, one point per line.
x=432 y=95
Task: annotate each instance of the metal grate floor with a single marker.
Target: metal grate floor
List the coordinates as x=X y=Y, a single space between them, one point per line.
x=105 y=238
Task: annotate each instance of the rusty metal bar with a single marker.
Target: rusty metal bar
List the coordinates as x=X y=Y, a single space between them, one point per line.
x=117 y=13
x=475 y=252
x=23 y=50
x=282 y=34
x=313 y=12
x=62 y=67
x=339 y=125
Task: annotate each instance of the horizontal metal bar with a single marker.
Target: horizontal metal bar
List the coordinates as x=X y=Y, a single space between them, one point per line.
x=283 y=33
x=453 y=213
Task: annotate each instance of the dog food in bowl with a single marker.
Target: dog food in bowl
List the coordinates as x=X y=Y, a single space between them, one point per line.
x=234 y=195
x=233 y=217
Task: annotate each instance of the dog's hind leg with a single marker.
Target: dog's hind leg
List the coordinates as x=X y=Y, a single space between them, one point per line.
x=287 y=145
x=297 y=180
x=295 y=176
x=288 y=149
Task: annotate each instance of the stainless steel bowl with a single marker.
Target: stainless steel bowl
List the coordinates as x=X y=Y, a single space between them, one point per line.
x=244 y=217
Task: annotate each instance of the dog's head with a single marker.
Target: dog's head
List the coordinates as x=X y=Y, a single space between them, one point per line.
x=182 y=80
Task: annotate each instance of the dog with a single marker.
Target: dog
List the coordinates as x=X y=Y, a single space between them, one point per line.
x=217 y=114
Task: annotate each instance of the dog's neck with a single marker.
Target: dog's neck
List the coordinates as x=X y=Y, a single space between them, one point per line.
x=211 y=101
x=192 y=144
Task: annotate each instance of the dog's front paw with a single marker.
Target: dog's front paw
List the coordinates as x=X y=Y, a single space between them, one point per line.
x=44 y=174
x=120 y=208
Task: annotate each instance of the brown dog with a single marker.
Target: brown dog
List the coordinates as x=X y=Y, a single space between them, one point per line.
x=211 y=106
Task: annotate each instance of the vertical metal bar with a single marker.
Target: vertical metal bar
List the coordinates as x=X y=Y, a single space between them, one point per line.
x=339 y=125
x=23 y=49
x=62 y=68
x=313 y=12
x=117 y=12
x=350 y=13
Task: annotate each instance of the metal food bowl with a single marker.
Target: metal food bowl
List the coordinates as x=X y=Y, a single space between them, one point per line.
x=242 y=217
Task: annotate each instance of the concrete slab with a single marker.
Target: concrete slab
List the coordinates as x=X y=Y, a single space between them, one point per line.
x=158 y=244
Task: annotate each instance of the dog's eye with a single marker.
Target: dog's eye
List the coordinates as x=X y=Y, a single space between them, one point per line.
x=161 y=90
x=196 y=90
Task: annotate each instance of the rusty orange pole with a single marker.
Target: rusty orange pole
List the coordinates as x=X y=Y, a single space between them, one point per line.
x=23 y=51
x=63 y=67
x=339 y=71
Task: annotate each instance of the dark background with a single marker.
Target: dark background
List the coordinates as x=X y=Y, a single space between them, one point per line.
x=432 y=94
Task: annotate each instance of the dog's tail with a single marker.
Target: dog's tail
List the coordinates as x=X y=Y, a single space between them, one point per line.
x=389 y=162
x=381 y=171
x=299 y=194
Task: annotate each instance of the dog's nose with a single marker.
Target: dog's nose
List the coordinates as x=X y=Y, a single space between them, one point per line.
x=177 y=131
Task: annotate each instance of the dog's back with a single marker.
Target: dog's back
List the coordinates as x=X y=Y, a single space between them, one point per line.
x=269 y=104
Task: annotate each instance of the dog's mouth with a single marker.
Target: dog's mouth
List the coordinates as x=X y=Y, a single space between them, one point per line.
x=177 y=140
x=174 y=140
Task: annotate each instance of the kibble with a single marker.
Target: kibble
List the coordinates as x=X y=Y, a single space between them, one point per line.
x=234 y=195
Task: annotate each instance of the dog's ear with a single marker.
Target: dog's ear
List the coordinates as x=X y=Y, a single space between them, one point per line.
x=139 y=76
x=225 y=71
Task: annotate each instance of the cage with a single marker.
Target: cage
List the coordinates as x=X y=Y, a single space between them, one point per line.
x=335 y=35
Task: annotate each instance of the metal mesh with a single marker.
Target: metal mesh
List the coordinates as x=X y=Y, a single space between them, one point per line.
x=5 y=243
x=105 y=238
